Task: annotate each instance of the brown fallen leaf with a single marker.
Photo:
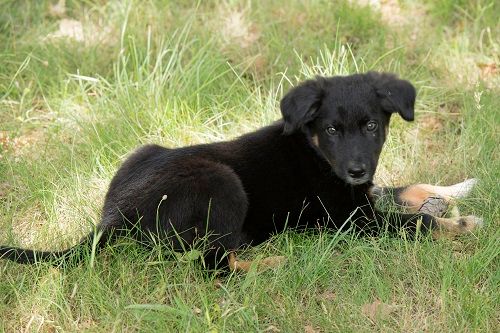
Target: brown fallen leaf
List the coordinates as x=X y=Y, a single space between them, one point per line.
x=488 y=70
x=377 y=310
x=310 y=329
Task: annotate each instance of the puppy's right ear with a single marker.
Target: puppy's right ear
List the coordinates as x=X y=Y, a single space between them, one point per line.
x=300 y=105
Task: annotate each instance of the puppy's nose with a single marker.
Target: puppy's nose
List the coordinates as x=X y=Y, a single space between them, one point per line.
x=356 y=171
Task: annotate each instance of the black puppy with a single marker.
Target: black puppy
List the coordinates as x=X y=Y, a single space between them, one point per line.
x=314 y=168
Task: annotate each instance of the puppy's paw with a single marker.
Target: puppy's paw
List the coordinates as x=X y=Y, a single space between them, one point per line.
x=435 y=206
x=261 y=263
x=461 y=190
x=454 y=226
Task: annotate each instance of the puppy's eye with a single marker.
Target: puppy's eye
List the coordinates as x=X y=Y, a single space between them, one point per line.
x=371 y=126
x=331 y=130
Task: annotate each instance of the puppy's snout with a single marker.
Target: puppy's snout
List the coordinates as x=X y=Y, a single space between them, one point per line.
x=357 y=171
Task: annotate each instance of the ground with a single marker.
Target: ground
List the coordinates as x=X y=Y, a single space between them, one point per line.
x=82 y=83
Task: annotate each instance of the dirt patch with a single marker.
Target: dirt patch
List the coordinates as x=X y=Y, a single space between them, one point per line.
x=392 y=13
x=83 y=201
x=23 y=144
x=240 y=39
x=27 y=227
x=88 y=33
x=407 y=19
x=61 y=223
x=468 y=68
x=69 y=28
x=237 y=29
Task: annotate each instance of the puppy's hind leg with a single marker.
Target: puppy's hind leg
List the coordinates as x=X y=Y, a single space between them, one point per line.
x=223 y=201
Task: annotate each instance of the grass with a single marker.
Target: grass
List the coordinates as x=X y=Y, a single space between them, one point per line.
x=177 y=74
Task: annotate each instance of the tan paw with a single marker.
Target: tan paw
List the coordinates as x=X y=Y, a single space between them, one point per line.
x=454 y=226
x=261 y=264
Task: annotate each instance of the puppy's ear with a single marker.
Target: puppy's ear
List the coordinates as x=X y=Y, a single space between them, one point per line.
x=395 y=95
x=300 y=105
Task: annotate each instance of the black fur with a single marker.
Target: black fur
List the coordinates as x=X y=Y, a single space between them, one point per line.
x=296 y=173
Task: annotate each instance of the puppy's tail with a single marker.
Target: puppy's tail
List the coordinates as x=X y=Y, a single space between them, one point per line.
x=89 y=244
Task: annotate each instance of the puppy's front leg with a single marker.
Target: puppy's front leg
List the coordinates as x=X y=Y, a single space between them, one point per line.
x=414 y=197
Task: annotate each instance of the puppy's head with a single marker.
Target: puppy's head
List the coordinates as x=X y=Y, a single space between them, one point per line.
x=345 y=118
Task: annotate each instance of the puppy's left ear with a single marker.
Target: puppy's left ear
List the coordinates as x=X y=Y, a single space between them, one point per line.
x=395 y=95
x=300 y=104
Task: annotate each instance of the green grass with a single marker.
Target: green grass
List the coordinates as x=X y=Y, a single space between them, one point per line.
x=175 y=74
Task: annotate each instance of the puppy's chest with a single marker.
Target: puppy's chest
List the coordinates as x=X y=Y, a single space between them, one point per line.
x=336 y=199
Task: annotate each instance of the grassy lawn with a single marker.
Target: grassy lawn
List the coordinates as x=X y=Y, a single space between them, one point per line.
x=85 y=82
